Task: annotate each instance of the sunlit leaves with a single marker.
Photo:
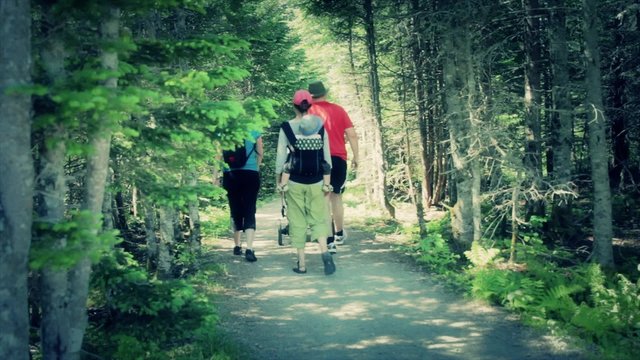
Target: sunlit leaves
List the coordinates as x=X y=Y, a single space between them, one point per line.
x=64 y=243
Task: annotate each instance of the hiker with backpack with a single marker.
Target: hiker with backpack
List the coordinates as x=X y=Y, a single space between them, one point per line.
x=339 y=127
x=241 y=180
x=304 y=148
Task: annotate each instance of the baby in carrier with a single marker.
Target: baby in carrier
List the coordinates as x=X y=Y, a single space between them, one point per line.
x=312 y=133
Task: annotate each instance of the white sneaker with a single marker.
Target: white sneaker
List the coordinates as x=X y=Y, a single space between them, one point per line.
x=332 y=248
x=340 y=239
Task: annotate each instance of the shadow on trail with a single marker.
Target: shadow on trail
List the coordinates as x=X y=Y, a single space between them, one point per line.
x=376 y=306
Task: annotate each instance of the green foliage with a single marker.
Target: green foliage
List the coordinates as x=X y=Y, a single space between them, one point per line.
x=63 y=244
x=434 y=250
x=479 y=256
x=144 y=318
x=581 y=300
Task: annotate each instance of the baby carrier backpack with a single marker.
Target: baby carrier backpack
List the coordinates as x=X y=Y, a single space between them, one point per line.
x=306 y=156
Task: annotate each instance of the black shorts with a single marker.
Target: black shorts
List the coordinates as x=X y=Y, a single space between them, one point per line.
x=338 y=174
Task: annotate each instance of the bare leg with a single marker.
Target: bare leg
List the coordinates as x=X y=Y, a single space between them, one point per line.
x=236 y=237
x=322 y=242
x=337 y=208
x=302 y=264
x=251 y=235
x=329 y=213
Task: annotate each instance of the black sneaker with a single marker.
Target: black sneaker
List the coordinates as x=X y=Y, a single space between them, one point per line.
x=250 y=255
x=237 y=250
x=329 y=266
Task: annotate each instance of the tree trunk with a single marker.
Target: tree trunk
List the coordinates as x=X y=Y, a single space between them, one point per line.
x=16 y=178
x=617 y=113
x=109 y=211
x=417 y=49
x=194 y=219
x=598 y=147
x=167 y=236
x=375 y=103
x=561 y=118
x=440 y=133
x=455 y=77
x=52 y=189
x=150 y=235
x=533 y=99
x=94 y=188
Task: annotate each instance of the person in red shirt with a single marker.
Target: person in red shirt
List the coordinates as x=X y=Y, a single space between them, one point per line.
x=338 y=126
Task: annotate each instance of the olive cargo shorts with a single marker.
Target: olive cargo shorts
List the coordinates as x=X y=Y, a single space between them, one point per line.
x=306 y=206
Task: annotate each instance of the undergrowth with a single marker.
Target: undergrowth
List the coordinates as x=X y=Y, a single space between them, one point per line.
x=134 y=316
x=548 y=288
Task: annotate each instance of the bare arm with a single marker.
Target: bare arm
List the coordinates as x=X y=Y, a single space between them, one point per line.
x=281 y=154
x=352 y=137
x=259 y=151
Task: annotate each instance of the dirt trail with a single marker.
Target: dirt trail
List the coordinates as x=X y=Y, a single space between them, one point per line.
x=376 y=306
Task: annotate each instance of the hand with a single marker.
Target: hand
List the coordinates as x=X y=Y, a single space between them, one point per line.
x=282 y=188
x=354 y=164
x=327 y=188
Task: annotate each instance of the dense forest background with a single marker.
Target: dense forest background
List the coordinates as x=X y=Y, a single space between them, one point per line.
x=517 y=117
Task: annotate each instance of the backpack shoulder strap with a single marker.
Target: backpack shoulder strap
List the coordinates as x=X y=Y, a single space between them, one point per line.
x=288 y=131
x=253 y=148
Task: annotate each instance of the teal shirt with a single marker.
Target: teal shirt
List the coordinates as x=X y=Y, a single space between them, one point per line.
x=252 y=161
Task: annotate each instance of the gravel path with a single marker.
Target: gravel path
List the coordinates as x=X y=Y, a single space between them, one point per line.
x=376 y=306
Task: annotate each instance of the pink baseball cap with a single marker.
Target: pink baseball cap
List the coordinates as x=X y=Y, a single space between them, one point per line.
x=300 y=96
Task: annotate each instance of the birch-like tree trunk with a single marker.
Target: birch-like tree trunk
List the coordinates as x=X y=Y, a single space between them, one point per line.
x=455 y=78
x=167 y=236
x=52 y=190
x=598 y=145
x=16 y=178
x=94 y=187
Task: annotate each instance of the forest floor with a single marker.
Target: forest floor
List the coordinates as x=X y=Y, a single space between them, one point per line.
x=378 y=305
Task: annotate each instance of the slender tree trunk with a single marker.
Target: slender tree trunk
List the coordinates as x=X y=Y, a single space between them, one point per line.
x=598 y=147
x=375 y=102
x=150 y=235
x=16 y=178
x=561 y=118
x=533 y=99
x=167 y=236
x=455 y=78
x=414 y=192
x=417 y=50
x=134 y=201
x=440 y=134
x=94 y=188
x=619 y=130
x=515 y=194
x=109 y=211
x=52 y=188
x=194 y=219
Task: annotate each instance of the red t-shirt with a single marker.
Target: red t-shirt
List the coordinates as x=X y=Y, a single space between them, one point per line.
x=336 y=121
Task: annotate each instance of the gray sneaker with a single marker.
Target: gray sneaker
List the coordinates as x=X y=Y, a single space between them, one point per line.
x=332 y=248
x=339 y=239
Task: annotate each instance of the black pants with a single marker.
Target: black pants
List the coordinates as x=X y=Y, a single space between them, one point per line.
x=242 y=191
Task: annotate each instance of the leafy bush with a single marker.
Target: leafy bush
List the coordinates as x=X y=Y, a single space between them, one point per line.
x=136 y=317
x=581 y=300
x=434 y=251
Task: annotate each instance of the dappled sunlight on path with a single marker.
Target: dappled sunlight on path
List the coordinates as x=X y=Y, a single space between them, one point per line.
x=376 y=306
